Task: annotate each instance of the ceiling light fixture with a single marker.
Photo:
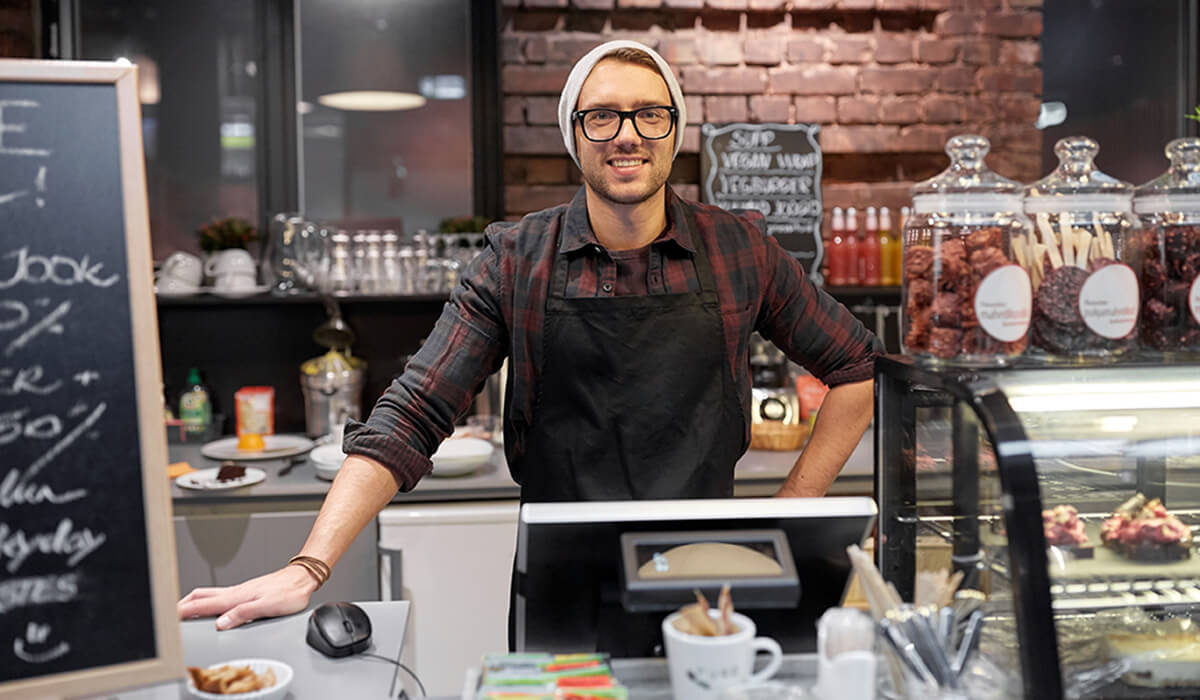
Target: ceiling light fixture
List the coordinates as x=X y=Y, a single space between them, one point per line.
x=372 y=100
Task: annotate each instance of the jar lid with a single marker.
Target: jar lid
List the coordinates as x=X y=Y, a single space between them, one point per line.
x=1178 y=187
x=976 y=203
x=967 y=174
x=1077 y=184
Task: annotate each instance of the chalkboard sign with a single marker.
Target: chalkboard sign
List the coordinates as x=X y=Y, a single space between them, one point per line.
x=88 y=582
x=774 y=169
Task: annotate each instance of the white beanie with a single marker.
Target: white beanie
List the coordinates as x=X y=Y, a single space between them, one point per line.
x=582 y=69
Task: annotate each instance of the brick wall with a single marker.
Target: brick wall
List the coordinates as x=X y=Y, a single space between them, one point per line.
x=889 y=81
x=16 y=28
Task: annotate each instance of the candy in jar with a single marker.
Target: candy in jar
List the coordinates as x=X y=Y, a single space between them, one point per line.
x=965 y=290
x=1085 y=301
x=1169 y=248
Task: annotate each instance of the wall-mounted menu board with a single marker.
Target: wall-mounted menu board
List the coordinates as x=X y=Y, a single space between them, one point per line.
x=88 y=582
x=774 y=169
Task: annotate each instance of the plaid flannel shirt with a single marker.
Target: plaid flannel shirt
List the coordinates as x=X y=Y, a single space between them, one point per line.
x=499 y=305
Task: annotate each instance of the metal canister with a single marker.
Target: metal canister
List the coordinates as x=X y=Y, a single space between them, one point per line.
x=332 y=389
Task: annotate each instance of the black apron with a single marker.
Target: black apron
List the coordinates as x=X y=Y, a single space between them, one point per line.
x=635 y=399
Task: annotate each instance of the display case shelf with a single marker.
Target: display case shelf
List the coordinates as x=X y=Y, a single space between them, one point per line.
x=970 y=458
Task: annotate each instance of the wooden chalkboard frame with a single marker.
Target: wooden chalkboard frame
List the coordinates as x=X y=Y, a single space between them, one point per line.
x=167 y=664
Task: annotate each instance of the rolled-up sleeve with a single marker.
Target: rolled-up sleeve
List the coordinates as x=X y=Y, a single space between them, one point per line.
x=419 y=409
x=812 y=327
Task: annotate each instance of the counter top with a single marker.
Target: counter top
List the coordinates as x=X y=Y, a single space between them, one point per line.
x=282 y=639
x=648 y=679
x=758 y=473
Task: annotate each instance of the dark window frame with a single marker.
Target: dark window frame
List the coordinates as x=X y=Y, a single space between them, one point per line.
x=277 y=121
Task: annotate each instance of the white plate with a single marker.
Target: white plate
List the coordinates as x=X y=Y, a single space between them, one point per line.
x=283 y=678
x=275 y=447
x=206 y=479
x=459 y=456
x=238 y=293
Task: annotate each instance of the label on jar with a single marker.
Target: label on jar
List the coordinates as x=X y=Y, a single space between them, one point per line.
x=1004 y=302
x=1108 y=301
x=1194 y=299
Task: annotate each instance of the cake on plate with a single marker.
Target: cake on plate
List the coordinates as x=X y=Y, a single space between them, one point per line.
x=1143 y=530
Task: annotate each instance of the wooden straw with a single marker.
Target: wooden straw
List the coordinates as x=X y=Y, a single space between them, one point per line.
x=1018 y=246
x=1050 y=242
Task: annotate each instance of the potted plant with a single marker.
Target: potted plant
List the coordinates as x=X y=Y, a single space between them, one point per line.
x=227 y=233
x=463 y=224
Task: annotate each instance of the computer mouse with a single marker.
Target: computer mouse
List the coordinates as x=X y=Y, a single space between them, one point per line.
x=339 y=629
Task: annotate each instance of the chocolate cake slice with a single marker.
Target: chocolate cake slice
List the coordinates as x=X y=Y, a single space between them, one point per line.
x=230 y=471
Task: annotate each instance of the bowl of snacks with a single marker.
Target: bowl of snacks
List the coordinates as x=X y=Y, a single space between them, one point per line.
x=240 y=679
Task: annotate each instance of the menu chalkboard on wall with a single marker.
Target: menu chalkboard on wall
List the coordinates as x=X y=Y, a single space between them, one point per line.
x=774 y=169
x=87 y=566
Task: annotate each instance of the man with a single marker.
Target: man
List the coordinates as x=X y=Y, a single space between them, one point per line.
x=627 y=316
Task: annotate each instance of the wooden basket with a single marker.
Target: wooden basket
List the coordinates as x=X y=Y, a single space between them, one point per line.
x=777 y=436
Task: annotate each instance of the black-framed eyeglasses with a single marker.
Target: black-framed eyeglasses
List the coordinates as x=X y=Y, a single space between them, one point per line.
x=654 y=122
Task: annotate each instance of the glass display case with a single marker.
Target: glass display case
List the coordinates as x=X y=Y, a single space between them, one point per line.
x=1024 y=479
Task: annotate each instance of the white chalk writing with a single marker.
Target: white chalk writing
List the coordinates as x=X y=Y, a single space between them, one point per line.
x=49 y=324
x=8 y=127
x=13 y=425
x=38 y=590
x=25 y=379
x=68 y=439
x=66 y=541
x=56 y=269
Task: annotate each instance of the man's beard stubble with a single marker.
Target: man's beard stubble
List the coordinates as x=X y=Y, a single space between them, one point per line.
x=600 y=186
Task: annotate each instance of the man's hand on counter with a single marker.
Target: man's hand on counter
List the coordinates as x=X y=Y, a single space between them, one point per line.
x=281 y=592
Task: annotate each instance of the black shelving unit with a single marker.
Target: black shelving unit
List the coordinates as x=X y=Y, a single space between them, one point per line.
x=262 y=340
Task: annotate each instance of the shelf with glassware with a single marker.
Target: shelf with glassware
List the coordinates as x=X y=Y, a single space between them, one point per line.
x=315 y=298
x=1066 y=493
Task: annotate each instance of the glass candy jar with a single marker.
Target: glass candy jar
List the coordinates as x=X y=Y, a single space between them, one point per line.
x=1085 y=299
x=1169 y=246
x=965 y=287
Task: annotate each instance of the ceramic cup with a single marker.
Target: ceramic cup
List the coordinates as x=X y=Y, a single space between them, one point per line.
x=181 y=271
x=234 y=282
x=702 y=667
x=233 y=260
x=172 y=285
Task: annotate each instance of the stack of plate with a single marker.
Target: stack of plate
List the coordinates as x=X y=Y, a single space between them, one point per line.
x=328 y=460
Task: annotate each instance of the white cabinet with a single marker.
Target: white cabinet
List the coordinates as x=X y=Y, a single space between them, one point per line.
x=225 y=545
x=453 y=563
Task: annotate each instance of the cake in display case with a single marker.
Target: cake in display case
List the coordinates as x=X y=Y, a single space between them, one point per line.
x=1068 y=496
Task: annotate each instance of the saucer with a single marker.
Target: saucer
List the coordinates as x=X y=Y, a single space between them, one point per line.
x=238 y=293
x=175 y=293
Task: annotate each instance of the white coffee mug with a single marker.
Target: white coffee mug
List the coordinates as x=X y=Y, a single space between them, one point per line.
x=229 y=261
x=701 y=667
x=234 y=282
x=183 y=268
